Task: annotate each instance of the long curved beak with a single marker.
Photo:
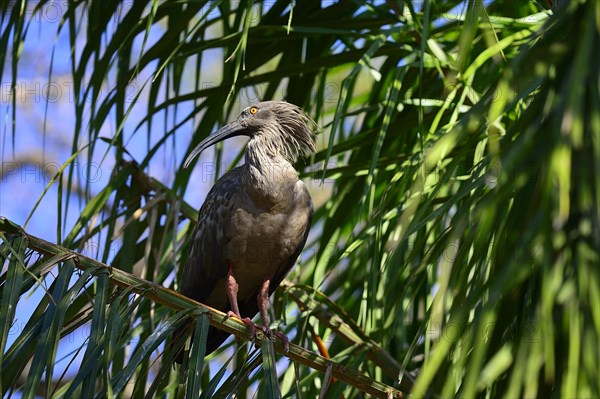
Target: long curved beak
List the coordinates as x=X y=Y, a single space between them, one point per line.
x=227 y=131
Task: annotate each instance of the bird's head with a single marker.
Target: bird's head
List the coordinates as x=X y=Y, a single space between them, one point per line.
x=275 y=128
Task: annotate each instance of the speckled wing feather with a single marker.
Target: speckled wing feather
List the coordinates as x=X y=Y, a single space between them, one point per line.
x=206 y=263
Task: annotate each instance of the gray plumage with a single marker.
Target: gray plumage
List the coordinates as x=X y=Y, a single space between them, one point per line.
x=256 y=218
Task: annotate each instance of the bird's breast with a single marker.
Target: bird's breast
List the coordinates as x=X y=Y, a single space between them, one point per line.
x=264 y=239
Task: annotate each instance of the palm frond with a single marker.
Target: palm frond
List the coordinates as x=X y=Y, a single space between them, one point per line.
x=456 y=234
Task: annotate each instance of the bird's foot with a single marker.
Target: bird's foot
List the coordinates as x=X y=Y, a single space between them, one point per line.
x=231 y=314
x=251 y=325
x=271 y=334
x=285 y=339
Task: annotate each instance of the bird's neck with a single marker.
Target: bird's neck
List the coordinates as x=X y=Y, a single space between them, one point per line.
x=269 y=178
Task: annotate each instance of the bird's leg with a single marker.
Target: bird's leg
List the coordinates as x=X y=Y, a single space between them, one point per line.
x=232 y=287
x=263 y=303
x=263 y=306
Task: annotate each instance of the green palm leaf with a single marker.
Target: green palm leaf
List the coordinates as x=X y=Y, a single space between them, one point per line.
x=456 y=234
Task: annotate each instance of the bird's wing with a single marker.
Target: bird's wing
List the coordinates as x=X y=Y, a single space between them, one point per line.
x=206 y=263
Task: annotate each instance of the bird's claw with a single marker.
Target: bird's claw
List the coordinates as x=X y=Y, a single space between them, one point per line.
x=285 y=339
x=272 y=334
x=231 y=314
x=252 y=326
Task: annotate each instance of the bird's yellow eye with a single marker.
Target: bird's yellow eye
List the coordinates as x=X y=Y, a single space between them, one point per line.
x=253 y=110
